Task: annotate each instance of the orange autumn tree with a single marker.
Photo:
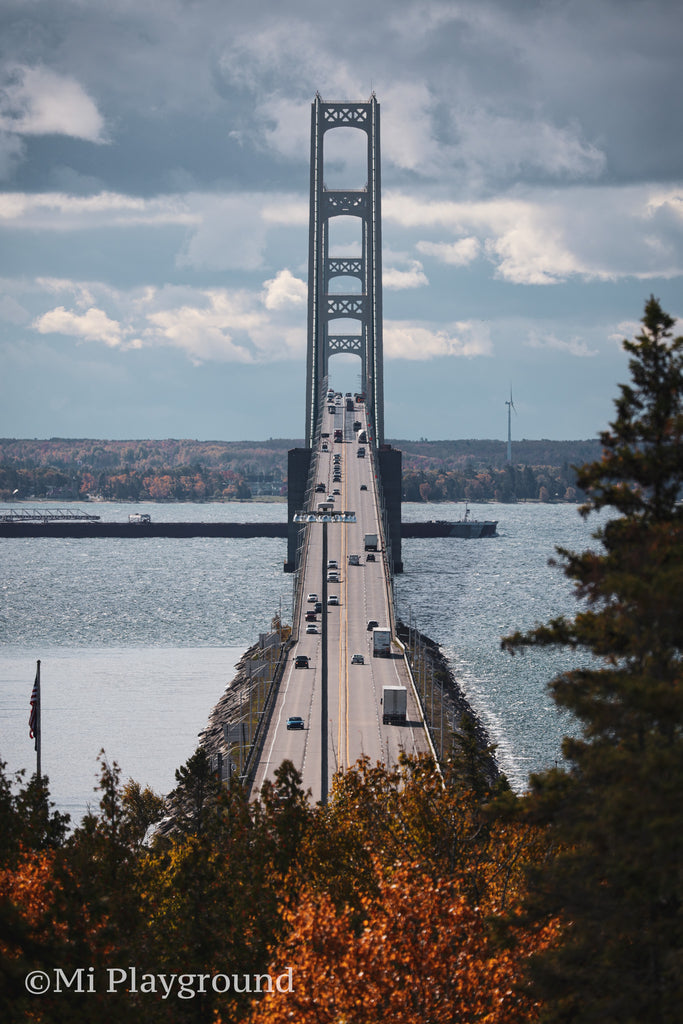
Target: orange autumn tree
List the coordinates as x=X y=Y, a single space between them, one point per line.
x=422 y=953
x=408 y=904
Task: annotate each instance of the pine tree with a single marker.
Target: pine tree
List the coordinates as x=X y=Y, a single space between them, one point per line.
x=616 y=808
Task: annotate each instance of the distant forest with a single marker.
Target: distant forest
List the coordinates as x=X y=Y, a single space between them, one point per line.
x=182 y=470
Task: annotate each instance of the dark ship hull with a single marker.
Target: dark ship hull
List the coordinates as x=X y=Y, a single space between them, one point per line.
x=468 y=528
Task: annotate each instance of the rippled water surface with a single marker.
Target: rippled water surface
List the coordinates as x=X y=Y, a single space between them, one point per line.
x=468 y=594
x=138 y=638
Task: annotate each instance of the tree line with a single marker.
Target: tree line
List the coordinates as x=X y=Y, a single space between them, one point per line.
x=420 y=892
x=220 y=471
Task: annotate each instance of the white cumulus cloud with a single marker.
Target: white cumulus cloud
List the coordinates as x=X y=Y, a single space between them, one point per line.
x=457 y=254
x=93 y=325
x=284 y=291
x=38 y=101
x=408 y=340
x=396 y=280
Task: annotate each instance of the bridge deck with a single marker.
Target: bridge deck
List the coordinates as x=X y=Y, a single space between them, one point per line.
x=355 y=725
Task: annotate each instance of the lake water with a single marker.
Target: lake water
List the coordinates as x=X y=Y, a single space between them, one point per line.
x=138 y=639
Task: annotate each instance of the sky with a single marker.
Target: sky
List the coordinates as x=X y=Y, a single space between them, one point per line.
x=154 y=175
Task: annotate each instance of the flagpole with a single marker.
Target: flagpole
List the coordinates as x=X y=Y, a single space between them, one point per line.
x=34 y=720
x=40 y=725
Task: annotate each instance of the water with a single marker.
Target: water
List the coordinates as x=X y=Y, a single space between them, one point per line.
x=138 y=639
x=468 y=594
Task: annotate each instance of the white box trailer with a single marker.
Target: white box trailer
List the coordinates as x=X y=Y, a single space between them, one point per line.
x=394 y=704
x=381 y=642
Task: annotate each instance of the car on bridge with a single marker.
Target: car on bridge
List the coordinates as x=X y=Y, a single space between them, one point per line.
x=311 y=628
x=333 y=599
x=363 y=487
x=295 y=722
x=358 y=659
x=372 y=624
x=301 y=661
x=312 y=598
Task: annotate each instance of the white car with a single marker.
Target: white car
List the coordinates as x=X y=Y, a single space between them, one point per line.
x=311 y=628
x=333 y=577
x=312 y=598
x=333 y=599
x=332 y=563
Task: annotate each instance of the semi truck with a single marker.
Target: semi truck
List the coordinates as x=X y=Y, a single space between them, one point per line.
x=370 y=542
x=381 y=642
x=394 y=703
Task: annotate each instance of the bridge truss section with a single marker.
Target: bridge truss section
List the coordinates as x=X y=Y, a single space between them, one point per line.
x=366 y=305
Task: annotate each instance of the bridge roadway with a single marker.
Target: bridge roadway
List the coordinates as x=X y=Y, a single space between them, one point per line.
x=355 y=725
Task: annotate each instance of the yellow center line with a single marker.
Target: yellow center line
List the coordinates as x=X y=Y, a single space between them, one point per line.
x=343 y=625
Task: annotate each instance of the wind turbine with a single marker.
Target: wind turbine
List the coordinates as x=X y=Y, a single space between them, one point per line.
x=511 y=406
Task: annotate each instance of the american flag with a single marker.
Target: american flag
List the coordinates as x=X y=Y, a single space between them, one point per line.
x=33 y=717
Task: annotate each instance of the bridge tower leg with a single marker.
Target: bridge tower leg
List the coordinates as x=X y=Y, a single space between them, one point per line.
x=363 y=305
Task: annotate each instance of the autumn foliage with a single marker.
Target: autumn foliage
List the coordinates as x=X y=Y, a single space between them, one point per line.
x=398 y=901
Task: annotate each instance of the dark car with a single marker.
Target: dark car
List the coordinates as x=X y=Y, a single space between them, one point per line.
x=372 y=624
x=318 y=606
x=358 y=659
x=370 y=557
x=363 y=487
x=295 y=722
x=301 y=661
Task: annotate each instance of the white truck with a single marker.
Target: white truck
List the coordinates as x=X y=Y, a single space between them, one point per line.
x=381 y=642
x=394 y=703
x=370 y=542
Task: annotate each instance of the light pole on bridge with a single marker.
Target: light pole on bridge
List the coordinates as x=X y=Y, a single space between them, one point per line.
x=324 y=518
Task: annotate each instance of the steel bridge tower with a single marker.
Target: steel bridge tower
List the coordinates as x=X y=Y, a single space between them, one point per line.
x=364 y=305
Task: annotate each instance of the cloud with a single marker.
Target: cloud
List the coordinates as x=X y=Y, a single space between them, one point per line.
x=598 y=233
x=625 y=329
x=58 y=211
x=575 y=346
x=409 y=136
x=93 y=325
x=205 y=333
x=284 y=291
x=409 y=340
x=39 y=101
x=396 y=280
x=458 y=254
x=208 y=325
x=495 y=145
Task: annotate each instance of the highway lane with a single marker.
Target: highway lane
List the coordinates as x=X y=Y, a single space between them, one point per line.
x=355 y=725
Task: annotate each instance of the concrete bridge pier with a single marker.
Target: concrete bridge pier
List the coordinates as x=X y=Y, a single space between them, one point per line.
x=298 y=469
x=388 y=462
